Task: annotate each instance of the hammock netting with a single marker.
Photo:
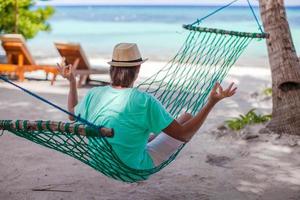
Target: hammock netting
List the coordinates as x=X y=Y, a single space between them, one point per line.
x=182 y=85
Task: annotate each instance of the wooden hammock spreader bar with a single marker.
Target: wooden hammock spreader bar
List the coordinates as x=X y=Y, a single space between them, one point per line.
x=225 y=32
x=55 y=127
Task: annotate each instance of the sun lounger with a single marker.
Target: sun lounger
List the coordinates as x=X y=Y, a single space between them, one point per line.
x=74 y=54
x=19 y=59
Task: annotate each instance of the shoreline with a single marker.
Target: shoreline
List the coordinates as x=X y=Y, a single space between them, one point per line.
x=96 y=60
x=148 y=69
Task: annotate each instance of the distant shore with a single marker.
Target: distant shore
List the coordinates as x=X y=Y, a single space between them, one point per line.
x=156 y=29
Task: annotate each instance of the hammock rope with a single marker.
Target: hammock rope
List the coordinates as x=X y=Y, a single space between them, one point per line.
x=255 y=17
x=182 y=85
x=77 y=118
x=198 y=21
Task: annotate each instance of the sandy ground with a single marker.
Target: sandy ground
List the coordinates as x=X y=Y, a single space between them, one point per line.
x=214 y=165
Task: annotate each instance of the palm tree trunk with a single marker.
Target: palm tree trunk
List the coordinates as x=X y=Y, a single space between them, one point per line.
x=16 y=16
x=285 y=68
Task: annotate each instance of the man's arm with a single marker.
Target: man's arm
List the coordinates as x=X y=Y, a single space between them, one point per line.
x=184 y=132
x=72 y=97
x=67 y=71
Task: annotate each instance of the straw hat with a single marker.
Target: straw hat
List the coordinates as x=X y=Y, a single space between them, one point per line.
x=126 y=55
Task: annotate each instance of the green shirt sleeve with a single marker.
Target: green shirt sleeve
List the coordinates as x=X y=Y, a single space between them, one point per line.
x=159 y=118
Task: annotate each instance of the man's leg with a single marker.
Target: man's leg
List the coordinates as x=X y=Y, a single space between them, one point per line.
x=163 y=146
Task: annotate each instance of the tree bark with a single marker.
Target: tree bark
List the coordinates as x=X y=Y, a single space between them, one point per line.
x=16 y=16
x=285 y=68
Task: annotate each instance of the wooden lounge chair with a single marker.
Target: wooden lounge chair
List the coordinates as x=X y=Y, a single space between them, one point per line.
x=19 y=59
x=74 y=54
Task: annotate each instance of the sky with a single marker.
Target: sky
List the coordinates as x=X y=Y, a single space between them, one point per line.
x=155 y=2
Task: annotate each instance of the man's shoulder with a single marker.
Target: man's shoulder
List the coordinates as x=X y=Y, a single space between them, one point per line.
x=97 y=90
x=141 y=95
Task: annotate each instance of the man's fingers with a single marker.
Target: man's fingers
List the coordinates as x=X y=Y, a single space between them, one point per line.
x=58 y=66
x=217 y=84
x=214 y=89
x=70 y=66
x=60 y=69
x=229 y=88
x=66 y=70
x=233 y=91
x=220 y=89
x=63 y=62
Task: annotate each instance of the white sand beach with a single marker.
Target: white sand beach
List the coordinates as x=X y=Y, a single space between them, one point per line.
x=215 y=165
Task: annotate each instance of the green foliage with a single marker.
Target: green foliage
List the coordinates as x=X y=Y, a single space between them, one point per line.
x=268 y=91
x=251 y=117
x=29 y=21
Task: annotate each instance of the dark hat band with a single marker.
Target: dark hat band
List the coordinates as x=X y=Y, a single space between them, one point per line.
x=129 y=61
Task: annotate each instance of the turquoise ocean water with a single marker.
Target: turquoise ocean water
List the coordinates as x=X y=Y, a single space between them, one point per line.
x=156 y=29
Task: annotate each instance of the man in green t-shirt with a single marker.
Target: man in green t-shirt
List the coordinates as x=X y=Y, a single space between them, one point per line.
x=134 y=114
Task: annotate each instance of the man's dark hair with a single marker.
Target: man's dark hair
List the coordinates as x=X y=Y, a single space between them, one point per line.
x=123 y=76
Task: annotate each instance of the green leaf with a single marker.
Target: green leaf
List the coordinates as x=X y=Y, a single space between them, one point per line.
x=30 y=20
x=251 y=117
x=267 y=92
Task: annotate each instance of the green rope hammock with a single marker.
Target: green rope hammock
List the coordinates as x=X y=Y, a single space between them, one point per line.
x=182 y=85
